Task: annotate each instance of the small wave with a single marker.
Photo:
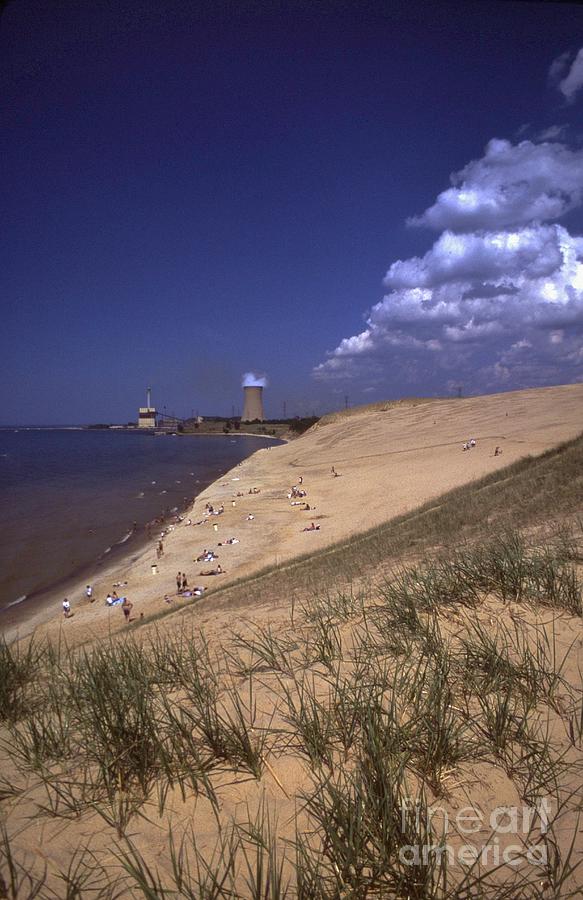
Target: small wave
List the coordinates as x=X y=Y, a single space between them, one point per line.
x=140 y=495
x=107 y=551
x=163 y=492
x=15 y=602
x=125 y=538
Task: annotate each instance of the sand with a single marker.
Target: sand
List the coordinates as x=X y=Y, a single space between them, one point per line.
x=389 y=461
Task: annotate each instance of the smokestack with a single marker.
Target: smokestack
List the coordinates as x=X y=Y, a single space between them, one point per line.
x=149 y=397
x=252 y=403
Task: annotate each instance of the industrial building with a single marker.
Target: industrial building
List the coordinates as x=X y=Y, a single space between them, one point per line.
x=147 y=414
x=252 y=404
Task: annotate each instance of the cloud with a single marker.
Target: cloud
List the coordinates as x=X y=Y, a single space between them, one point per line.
x=553 y=133
x=252 y=379
x=572 y=83
x=559 y=66
x=509 y=186
x=534 y=252
x=497 y=306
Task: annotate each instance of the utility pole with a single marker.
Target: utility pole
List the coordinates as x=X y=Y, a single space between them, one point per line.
x=345 y=401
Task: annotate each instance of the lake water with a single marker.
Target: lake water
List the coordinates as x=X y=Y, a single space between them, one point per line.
x=71 y=497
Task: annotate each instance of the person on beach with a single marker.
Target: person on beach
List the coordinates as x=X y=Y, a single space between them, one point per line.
x=184 y=581
x=178 y=582
x=127 y=608
x=160 y=549
x=89 y=593
x=311 y=527
x=217 y=571
x=66 y=608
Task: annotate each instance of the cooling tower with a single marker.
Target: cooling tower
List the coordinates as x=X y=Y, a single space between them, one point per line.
x=252 y=404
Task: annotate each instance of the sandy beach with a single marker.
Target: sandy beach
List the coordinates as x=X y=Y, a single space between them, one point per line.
x=389 y=460
x=277 y=697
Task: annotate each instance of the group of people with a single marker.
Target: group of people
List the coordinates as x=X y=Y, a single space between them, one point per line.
x=181 y=582
x=112 y=599
x=196 y=591
x=470 y=444
x=207 y=556
x=211 y=511
x=296 y=492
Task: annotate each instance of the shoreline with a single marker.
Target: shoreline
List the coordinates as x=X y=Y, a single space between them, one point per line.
x=22 y=616
x=412 y=454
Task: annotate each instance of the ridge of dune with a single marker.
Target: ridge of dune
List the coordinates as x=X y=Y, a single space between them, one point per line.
x=389 y=462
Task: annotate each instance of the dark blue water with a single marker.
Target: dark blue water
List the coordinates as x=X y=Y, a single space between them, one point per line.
x=68 y=496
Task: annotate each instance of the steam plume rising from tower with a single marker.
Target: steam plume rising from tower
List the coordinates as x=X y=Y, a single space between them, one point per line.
x=252 y=379
x=253 y=397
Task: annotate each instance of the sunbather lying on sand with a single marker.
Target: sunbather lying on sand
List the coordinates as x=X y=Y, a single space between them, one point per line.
x=311 y=527
x=217 y=571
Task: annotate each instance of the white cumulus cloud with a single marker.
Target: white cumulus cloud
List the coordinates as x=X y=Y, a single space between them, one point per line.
x=510 y=185
x=497 y=300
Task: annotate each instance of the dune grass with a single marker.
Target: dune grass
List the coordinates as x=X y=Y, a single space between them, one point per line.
x=529 y=492
x=387 y=697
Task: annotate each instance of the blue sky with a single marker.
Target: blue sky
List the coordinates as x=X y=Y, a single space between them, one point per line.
x=194 y=191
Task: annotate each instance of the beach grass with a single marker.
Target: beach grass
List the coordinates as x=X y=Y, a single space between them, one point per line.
x=540 y=492
x=457 y=665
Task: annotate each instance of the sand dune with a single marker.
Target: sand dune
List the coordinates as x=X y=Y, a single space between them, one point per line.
x=390 y=460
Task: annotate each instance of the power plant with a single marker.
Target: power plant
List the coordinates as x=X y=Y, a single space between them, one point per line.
x=252 y=403
x=150 y=418
x=147 y=413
